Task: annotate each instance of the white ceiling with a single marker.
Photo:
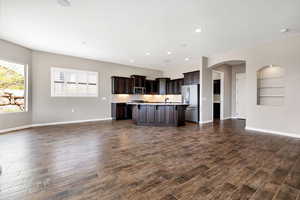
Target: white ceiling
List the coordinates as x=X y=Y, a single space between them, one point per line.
x=121 y=30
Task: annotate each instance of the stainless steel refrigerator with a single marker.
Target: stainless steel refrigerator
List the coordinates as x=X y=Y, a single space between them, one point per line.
x=191 y=95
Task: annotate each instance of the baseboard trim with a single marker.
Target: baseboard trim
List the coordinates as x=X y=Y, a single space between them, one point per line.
x=206 y=122
x=227 y=118
x=70 y=122
x=15 y=129
x=52 y=124
x=273 y=132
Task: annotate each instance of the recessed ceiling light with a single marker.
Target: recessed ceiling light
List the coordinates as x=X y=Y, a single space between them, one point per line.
x=148 y=54
x=169 y=52
x=284 y=30
x=132 y=61
x=64 y=3
x=198 y=30
x=187 y=59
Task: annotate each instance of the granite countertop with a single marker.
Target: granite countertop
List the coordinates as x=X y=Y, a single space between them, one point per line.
x=159 y=103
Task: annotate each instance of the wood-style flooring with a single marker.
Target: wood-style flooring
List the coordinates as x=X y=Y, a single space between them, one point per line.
x=118 y=161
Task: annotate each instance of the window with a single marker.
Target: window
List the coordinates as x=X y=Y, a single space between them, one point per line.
x=12 y=87
x=73 y=83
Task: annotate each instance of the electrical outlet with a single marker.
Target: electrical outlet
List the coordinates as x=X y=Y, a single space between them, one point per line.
x=73 y=110
x=104 y=98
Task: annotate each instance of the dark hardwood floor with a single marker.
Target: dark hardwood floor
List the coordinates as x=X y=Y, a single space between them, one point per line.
x=118 y=160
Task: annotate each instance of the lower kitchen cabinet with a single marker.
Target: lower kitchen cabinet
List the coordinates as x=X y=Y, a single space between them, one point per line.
x=120 y=111
x=159 y=115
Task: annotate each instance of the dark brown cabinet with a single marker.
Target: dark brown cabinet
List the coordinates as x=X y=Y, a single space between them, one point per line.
x=159 y=115
x=170 y=87
x=191 y=78
x=174 y=86
x=138 y=81
x=150 y=114
x=122 y=85
x=128 y=86
x=142 y=114
x=162 y=85
x=171 y=115
x=151 y=87
x=121 y=111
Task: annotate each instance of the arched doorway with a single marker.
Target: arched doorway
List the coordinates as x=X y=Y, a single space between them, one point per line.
x=229 y=101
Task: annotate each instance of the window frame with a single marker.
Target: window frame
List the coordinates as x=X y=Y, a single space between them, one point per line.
x=52 y=94
x=26 y=86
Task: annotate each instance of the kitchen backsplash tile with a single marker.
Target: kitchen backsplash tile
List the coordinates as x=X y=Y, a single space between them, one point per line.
x=151 y=98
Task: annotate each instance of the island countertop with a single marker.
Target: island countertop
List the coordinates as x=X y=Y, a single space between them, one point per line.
x=159 y=103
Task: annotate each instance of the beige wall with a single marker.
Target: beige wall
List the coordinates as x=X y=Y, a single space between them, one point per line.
x=206 y=96
x=284 y=53
x=14 y=53
x=235 y=69
x=47 y=109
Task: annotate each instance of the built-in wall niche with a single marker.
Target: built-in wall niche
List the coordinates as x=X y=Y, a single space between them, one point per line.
x=270 y=86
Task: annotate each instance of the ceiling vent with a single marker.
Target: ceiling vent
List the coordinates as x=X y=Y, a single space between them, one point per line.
x=64 y=3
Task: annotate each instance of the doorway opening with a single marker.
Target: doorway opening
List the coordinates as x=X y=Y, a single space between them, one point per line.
x=218 y=95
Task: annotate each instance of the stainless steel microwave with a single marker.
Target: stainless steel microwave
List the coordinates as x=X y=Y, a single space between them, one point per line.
x=139 y=90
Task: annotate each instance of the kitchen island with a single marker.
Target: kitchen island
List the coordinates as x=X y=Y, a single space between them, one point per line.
x=158 y=114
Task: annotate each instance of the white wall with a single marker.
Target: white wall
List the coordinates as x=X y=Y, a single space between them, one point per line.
x=14 y=53
x=178 y=72
x=47 y=109
x=284 y=53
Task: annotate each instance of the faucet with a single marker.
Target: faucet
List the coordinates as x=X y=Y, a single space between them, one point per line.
x=166 y=99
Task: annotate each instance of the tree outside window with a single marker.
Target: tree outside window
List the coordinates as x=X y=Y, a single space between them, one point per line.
x=12 y=87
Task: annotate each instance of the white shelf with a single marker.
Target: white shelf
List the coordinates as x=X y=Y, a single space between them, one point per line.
x=271 y=95
x=270 y=86
x=266 y=87
x=268 y=78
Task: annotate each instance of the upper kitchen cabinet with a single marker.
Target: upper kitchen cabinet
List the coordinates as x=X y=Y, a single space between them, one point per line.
x=174 y=86
x=121 y=85
x=162 y=85
x=138 y=81
x=151 y=87
x=191 y=78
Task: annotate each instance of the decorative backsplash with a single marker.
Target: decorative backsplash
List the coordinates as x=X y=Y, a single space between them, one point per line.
x=150 y=98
